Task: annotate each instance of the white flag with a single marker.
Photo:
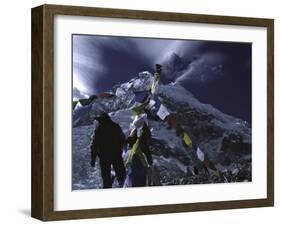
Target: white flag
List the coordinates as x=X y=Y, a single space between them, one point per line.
x=151 y=104
x=162 y=112
x=200 y=154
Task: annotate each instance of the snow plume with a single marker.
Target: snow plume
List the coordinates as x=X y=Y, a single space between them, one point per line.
x=97 y=59
x=206 y=68
x=77 y=94
x=86 y=64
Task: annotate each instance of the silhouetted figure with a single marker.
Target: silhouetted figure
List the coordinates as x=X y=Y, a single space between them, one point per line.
x=107 y=145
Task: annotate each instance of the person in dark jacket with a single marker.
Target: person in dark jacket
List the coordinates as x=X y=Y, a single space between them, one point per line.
x=107 y=144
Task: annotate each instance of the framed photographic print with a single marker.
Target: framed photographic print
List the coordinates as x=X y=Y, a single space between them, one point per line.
x=142 y=112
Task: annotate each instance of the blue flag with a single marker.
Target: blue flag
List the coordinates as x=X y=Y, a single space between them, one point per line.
x=141 y=96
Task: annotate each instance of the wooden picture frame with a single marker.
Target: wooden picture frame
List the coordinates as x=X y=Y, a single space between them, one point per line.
x=42 y=203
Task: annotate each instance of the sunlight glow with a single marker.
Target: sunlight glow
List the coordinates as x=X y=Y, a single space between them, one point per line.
x=78 y=83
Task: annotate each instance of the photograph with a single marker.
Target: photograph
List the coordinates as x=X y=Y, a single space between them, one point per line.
x=140 y=112
x=159 y=112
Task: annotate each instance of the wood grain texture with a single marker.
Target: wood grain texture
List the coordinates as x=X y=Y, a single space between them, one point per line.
x=43 y=107
x=155 y=15
x=270 y=111
x=37 y=158
x=42 y=113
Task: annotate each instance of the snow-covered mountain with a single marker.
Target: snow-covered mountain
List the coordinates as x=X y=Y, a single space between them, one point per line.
x=77 y=94
x=196 y=69
x=225 y=139
x=173 y=67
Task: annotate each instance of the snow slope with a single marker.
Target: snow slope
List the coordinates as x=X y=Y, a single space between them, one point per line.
x=226 y=140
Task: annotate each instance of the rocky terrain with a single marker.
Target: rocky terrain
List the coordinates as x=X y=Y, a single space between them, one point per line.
x=225 y=139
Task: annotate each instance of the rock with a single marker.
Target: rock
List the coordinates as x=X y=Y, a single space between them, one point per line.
x=225 y=139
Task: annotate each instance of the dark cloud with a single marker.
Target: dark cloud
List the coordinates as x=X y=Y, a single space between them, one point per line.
x=100 y=62
x=115 y=59
x=232 y=90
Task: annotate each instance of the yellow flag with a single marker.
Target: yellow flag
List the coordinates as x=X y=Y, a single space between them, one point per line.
x=136 y=150
x=187 y=139
x=216 y=173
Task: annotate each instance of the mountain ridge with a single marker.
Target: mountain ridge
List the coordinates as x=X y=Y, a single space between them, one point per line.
x=226 y=139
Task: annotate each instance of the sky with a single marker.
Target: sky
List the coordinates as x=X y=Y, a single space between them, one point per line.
x=217 y=73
